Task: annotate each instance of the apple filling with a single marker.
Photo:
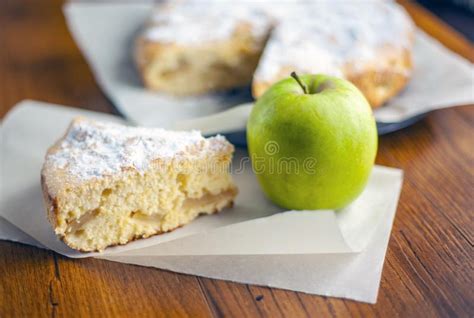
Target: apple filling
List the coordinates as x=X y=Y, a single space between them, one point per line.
x=100 y=225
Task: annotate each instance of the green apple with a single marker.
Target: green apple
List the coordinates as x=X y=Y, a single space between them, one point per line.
x=312 y=142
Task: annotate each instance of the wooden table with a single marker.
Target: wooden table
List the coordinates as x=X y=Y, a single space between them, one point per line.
x=429 y=266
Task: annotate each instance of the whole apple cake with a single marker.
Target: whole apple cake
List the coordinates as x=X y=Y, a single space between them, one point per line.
x=191 y=47
x=106 y=184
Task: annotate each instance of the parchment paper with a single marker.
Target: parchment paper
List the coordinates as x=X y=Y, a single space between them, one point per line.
x=340 y=252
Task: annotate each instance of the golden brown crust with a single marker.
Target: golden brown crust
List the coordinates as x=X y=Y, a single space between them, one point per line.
x=50 y=203
x=380 y=85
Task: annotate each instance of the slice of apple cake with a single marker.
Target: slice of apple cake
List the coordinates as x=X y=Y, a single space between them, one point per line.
x=194 y=47
x=106 y=184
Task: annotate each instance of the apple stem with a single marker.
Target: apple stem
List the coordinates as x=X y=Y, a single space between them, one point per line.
x=303 y=86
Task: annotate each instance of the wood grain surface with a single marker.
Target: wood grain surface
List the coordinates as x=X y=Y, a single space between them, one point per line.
x=428 y=270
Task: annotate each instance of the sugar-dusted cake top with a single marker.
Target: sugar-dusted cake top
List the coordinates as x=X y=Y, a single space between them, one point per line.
x=195 y=21
x=326 y=36
x=92 y=149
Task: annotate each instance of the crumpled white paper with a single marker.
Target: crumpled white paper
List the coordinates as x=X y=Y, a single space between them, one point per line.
x=105 y=33
x=321 y=252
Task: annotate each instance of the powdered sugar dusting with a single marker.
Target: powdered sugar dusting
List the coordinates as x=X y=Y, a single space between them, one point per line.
x=192 y=21
x=94 y=149
x=325 y=36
